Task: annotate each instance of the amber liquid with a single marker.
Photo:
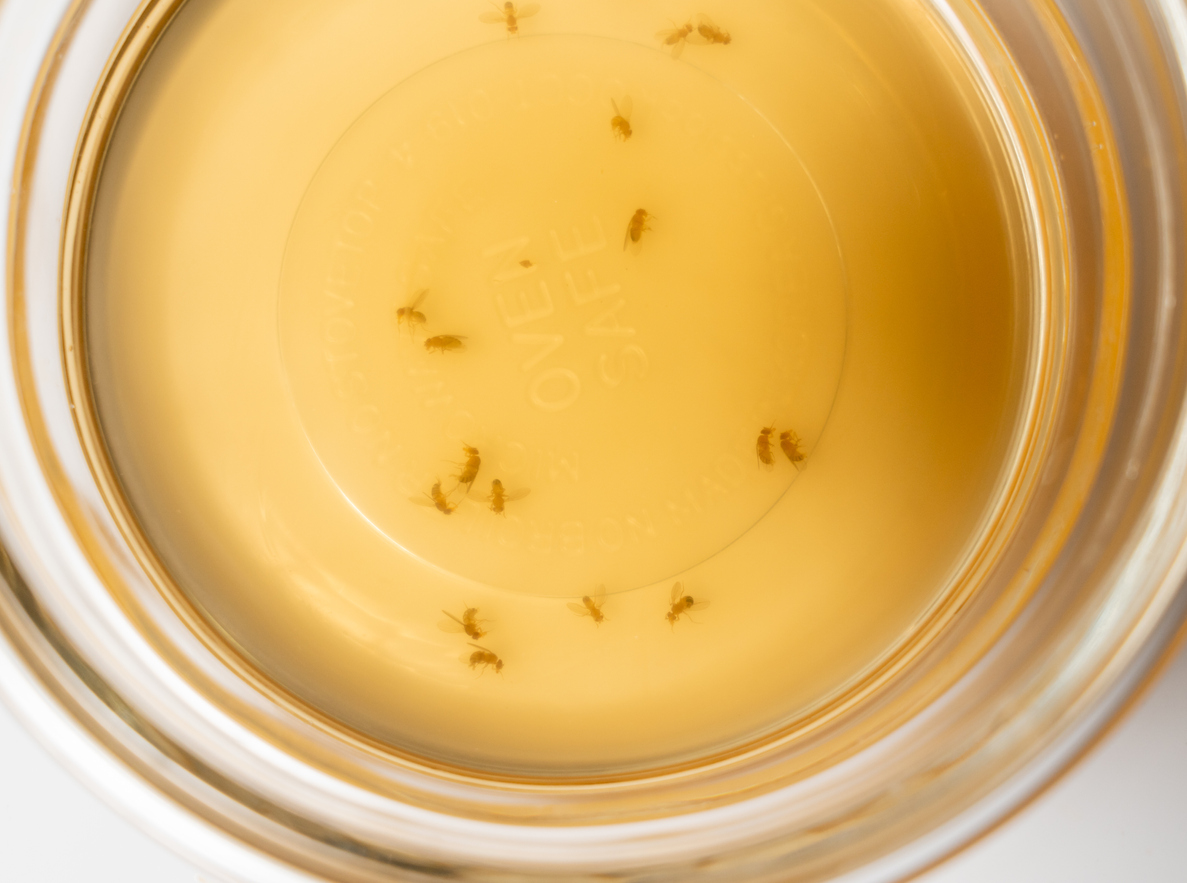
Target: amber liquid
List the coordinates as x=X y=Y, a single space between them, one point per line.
x=830 y=251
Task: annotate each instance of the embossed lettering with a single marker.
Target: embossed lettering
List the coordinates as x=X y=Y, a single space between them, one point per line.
x=520 y=310
x=636 y=526
x=595 y=291
x=629 y=362
x=358 y=223
x=338 y=330
x=548 y=343
x=481 y=107
x=555 y=389
x=512 y=251
x=402 y=154
x=541 y=538
x=336 y=303
x=366 y=419
x=682 y=511
x=515 y=457
x=558 y=462
x=581 y=248
x=573 y=538
x=611 y=536
x=606 y=323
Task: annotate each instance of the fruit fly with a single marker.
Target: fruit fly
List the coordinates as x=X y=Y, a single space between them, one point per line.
x=763 y=447
x=682 y=604
x=620 y=124
x=708 y=32
x=674 y=39
x=469 y=623
x=790 y=443
x=470 y=467
x=591 y=607
x=437 y=498
x=482 y=657
x=445 y=343
x=499 y=497
x=638 y=223
x=410 y=314
x=510 y=15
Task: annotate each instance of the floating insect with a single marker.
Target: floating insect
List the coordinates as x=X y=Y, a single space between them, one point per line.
x=682 y=604
x=510 y=15
x=526 y=264
x=499 y=497
x=763 y=447
x=445 y=343
x=620 y=123
x=790 y=443
x=469 y=623
x=591 y=607
x=437 y=498
x=410 y=314
x=708 y=32
x=482 y=657
x=638 y=223
x=470 y=467
x=674 y=39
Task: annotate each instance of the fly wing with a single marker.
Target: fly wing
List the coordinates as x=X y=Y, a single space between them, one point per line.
x=599 y=595
x=420 y=296
x=528 y=10
x=677 y=592
x=492 y=18
x=453 y=625
x=517 y=494
x=579 y=609
x=423 y=501
x=699 y=605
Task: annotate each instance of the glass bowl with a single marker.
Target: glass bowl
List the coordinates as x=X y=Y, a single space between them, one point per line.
x=1060 y=618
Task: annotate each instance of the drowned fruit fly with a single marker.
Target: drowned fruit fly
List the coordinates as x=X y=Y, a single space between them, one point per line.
x=620 y=123
x=708 y=32
x=469 y=623
x=591 y=607
x=790 y=443
x=444 y=343
x=763 y=447
x=681 y=604
x=499 y=497
x=410 y=314
x=470 y=467
x=509 y=15
x=638 y=223
x=437 y=498
x=482 y=657
x=674 y=39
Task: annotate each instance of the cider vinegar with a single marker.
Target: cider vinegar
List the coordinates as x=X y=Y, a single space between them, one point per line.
x=703 y=324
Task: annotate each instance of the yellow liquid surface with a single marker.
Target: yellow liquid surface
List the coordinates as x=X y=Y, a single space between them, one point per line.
x=827 y=253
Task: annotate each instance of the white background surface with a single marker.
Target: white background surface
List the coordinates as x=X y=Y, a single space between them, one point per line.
x=1119 y=817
